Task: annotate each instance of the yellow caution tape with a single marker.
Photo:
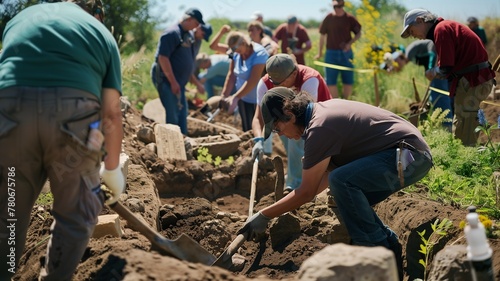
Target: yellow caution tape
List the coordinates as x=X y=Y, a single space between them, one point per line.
x=339 y=67
x=440 y=91
x=491 y=103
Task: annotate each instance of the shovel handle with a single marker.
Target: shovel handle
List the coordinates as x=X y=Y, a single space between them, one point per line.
x=255 y=172
x=236 y=244
x=224 y=260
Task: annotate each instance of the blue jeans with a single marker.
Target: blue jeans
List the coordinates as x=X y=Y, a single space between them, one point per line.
x=215 y=81
x=442 y=101
x=176 y=111
x=339 y=57
x=295 y=152
x=362 y=183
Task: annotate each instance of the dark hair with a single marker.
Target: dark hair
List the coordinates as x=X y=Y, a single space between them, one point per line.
x=298 y=106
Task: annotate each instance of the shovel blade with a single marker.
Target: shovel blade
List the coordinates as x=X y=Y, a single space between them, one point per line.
x=183 y=248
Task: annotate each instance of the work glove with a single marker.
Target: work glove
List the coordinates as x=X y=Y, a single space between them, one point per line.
x=258 y=148
x=255 y=226
x=115 y=181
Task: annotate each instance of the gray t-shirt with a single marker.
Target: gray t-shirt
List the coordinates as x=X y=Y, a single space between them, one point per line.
x=349 y=130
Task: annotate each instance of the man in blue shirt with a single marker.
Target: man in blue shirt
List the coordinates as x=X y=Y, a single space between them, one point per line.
x=173 y=66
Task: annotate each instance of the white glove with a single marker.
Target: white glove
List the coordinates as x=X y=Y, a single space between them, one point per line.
x=115 y=181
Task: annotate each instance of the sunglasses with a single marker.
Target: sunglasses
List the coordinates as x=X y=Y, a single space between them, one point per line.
x=338 y=6
x=235 y=47
x=278 y=83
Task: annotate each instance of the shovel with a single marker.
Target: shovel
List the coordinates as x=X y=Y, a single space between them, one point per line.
x=212 y=115
x=225 y=259
x=280 y=178
x=183 y=248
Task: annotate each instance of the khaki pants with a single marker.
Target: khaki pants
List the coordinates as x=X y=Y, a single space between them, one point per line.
x=43 y=132
x=467 y=101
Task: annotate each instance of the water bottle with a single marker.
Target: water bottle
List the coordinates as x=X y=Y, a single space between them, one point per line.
x=95 y=137
x=478 y=249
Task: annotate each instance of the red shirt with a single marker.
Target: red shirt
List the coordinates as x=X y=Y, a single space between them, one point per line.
x=305 y=72
x=458 y=47
x=338 y=30
x=299 y=38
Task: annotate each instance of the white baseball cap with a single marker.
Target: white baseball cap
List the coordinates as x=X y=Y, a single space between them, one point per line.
x=411 y=18
x=256 y=15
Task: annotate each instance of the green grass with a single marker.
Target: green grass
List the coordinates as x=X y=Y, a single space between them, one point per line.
x=45 y=198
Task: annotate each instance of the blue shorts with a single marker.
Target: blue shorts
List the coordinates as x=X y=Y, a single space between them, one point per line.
x=339 y=57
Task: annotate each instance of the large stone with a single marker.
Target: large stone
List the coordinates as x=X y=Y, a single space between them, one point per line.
x=284 y=229
x=169 y=142
x=451 y=264
x=108 y=225
x=155 y=111
x=221 y=145
x=341 y=262
x=146 y=135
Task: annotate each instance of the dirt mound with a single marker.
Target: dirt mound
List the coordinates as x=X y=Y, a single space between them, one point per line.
x=210 y=203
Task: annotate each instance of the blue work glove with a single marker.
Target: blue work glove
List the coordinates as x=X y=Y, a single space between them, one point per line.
x=255 y=226
x=258 y=148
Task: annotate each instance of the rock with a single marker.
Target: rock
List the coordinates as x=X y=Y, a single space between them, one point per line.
x=135 y=205
x=238 y=262
x=124 y=104
x=168 y=219
x=341 y=262
x=169 y=142
x=108 y=225
x=284 y=229
x=451 y=264
x=146 y=135
x=151 y=147
x=222 y=181
x=155 y=111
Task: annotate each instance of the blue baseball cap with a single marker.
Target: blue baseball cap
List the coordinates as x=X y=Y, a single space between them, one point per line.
x=207 y=31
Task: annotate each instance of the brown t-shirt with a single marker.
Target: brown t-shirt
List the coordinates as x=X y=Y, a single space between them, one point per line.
x=348 y=130
x=338 y=30
x=294 y=40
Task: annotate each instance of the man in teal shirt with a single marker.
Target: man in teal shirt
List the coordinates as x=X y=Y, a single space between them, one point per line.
x=60 y=83
x=473 y=23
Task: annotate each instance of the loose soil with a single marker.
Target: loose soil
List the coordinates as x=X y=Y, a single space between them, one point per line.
x=210 y=204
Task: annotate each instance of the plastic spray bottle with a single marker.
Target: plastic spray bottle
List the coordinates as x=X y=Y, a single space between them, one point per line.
x=478 y=250
x=95 y=137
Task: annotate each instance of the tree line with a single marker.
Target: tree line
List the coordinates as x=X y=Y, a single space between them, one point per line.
x=133 y=25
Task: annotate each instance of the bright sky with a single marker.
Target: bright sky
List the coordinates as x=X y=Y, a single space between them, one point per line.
x=458 y=10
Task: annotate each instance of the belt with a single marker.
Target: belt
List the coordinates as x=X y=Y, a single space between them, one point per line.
x=35 y=93
x=471 y=68
x=404 y=144
x=40 y=94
